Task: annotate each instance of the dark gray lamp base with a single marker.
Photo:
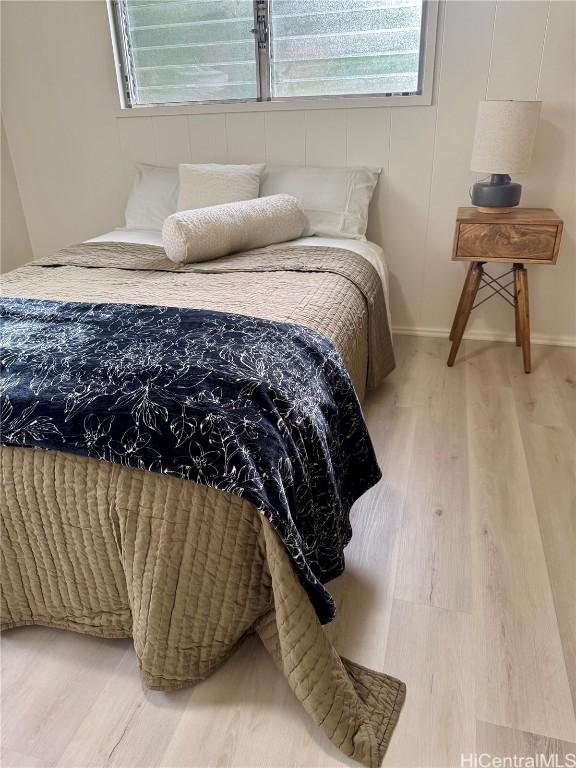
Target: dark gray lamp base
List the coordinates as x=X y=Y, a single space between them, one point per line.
x=498 y=193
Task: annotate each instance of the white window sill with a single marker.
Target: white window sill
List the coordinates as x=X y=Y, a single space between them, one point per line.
x=292 y=105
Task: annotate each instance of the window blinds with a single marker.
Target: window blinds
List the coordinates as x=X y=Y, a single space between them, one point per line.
x=178 y=51
x=338 y=47
x=191 y=50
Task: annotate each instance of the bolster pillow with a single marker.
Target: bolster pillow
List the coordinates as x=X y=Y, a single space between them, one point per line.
x=203 y=234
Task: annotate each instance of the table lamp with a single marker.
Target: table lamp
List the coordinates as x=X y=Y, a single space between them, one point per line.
x=503 y=144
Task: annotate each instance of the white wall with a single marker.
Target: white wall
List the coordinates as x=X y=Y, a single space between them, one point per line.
x=15 y=245
x=73 y=152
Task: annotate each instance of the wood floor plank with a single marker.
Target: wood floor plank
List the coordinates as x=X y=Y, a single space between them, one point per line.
x=422 y=377
x=434 y=558
x=507 y=743
x=551 y=455
x=521 y=679
x=562 y=361
x=365 y=591
x=48 y=701
x=537 y=397
x=489 y=361
x=431 y=650
x=11 y=759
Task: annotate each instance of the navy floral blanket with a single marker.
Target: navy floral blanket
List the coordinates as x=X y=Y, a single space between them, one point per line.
x=260 y=409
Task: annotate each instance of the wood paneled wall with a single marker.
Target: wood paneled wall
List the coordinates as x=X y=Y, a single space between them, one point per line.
x=486 y=49
x=15 y=245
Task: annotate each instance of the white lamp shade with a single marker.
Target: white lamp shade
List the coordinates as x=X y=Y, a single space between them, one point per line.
x=504 y=138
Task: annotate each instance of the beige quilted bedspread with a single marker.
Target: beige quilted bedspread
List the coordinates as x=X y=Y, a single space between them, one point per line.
x=185 y=570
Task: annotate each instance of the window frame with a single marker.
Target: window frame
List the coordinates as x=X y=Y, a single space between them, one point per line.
x=126 y=85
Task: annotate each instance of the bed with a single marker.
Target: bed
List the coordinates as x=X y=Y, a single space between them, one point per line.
x=185 y=569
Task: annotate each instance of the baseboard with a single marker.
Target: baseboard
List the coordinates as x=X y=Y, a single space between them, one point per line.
x=536 y=338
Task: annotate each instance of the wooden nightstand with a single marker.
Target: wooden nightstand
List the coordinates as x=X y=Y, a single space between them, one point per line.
x=523 y=236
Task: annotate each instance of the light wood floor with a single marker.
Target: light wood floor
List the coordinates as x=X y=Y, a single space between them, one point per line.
x=461 y=580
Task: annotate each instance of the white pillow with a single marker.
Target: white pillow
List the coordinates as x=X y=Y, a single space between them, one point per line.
x=203 y=234
x=153 y=196
x=335 y=200
x=215 y=184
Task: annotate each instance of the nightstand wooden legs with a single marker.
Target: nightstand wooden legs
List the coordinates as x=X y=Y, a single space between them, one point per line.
x=459 y=307
x=522 y=311
x=475 y=279
x=516 y=318
x=467 y=297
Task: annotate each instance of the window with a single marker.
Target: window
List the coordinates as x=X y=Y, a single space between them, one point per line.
x=198 y=51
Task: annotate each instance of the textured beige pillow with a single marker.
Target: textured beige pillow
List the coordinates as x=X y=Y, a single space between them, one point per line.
x=215 y=184
x=208 y=233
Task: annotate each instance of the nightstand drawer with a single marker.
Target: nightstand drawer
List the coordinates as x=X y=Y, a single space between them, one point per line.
x=506 y=242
